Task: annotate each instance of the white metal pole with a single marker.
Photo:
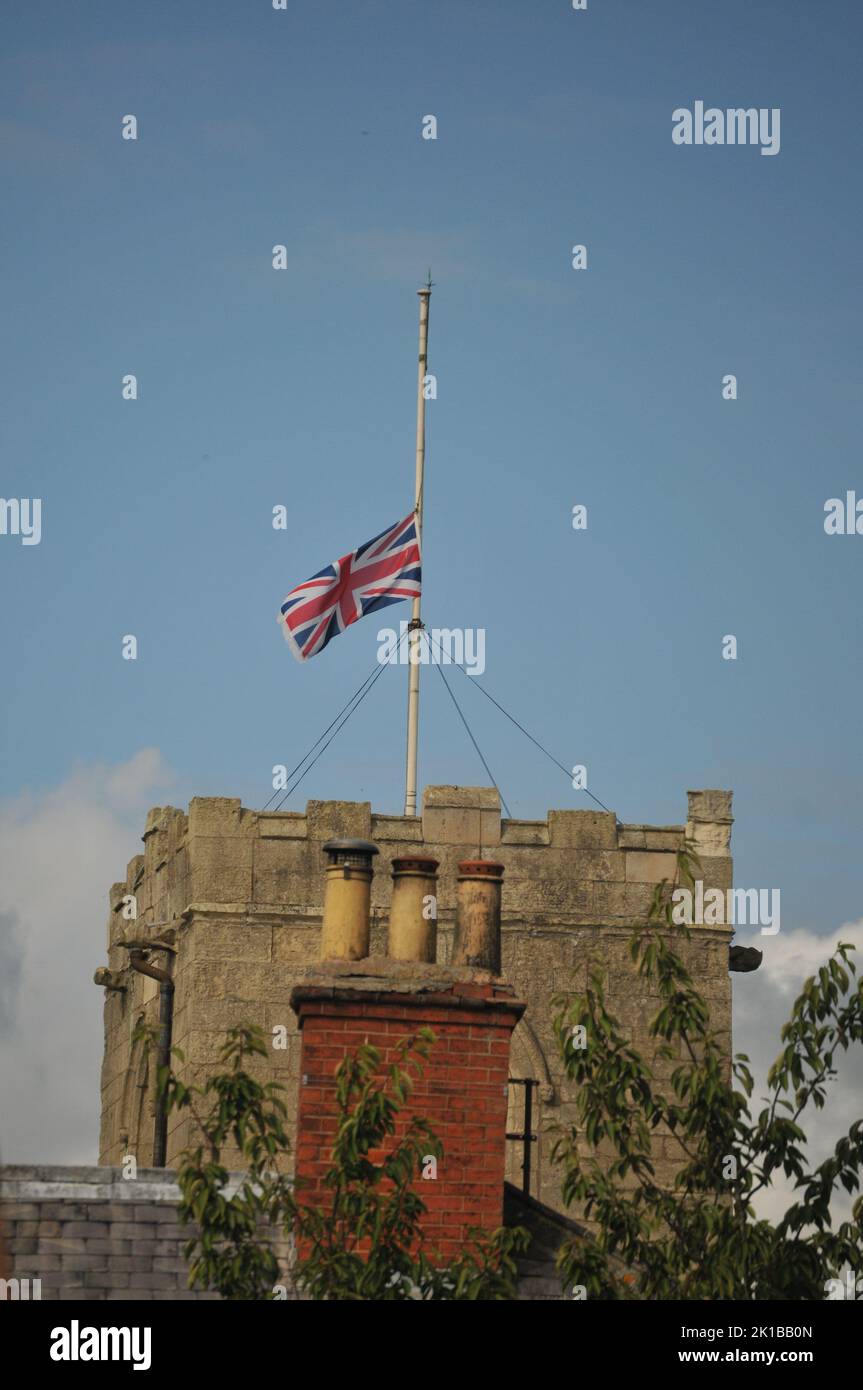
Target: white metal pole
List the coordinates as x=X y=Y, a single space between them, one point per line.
x=415 y=634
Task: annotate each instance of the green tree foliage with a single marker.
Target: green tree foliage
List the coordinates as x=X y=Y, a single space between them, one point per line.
x=230 y=1250
x=702 y=1239
x=365 y=1241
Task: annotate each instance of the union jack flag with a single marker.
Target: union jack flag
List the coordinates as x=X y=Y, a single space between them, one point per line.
x=383 y=571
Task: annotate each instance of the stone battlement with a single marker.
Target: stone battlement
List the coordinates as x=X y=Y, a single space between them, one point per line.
x=221 y=855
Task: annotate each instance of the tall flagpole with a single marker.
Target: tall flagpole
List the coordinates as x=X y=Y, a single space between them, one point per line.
x=415 y=629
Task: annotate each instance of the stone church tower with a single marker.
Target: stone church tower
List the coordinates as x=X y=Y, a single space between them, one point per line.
x=218 y=921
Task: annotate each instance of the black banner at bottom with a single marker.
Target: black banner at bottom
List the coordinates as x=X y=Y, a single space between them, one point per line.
x=65 y=1338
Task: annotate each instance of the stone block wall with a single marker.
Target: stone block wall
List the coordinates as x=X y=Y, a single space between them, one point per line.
x=239 y=895
x=86 y=1234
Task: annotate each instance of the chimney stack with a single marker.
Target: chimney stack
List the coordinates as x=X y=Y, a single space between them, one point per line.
x=347 y=899
x=462 y=1092
x=477 y=929
x=413 y=909
x=347 y=1000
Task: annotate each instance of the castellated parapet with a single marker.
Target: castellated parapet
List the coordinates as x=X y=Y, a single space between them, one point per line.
x=238 y=895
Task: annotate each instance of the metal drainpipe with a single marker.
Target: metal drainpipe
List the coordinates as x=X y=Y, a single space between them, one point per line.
x=138 y=962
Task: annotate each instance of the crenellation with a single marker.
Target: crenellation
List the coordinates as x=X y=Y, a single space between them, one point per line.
x=282 y=825
x=708 y=825
x=524 y=832
x=214 y=815
x=464 y=816
x=401 y=829
x=664 y=837
x=339 y=819
x=583 y=829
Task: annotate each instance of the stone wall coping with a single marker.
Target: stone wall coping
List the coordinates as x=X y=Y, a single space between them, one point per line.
x=454 y=796
x=665 y=829
x=49 y=1182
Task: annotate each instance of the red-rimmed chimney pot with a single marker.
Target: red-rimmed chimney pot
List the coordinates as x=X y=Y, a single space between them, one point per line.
x=413 y=909
x=477 y=929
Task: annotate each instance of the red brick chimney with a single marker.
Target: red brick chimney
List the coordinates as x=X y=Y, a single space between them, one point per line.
x=462 y=1092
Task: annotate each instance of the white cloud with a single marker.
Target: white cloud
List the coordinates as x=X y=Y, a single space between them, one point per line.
x=60 y=851
x=762 y=1003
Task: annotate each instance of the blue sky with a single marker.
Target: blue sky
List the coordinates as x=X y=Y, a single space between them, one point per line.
x=555 y=387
